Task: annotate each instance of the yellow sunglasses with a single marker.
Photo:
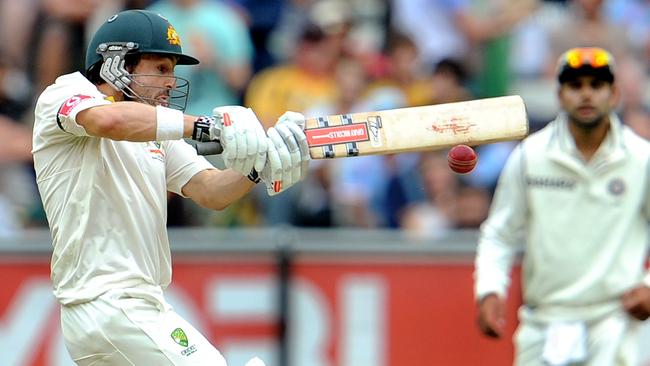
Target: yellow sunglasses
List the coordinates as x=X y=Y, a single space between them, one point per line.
x=576 y=58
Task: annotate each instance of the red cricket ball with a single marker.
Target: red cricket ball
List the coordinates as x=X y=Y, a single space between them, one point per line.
x=462 y=159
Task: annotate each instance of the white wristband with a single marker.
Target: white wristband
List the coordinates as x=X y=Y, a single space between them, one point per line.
x=169 y=124
x=646 y=279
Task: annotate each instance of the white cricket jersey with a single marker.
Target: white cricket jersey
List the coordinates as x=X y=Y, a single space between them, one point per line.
x=585 y=225
x=105 y=200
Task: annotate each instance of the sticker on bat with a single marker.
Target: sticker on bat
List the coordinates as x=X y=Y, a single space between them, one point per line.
x=374 y=125
x=335 y=135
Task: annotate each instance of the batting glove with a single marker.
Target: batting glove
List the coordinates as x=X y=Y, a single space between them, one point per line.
x=242 y=136
x=288 y=154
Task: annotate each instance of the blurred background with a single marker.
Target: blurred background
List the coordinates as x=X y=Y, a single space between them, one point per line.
x=331 y=272
x=324 y=57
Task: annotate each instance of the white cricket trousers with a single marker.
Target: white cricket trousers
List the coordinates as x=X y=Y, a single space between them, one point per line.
x=611 y=341
x=117 y=329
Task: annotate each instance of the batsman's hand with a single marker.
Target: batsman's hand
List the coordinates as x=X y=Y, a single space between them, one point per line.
x=637 y=302
x=242 y=136
x=491 y=315
x=288 y=154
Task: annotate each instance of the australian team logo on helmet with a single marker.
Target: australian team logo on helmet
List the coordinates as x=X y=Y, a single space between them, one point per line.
x=133 y=32
x=579 y=61
x=172 y=36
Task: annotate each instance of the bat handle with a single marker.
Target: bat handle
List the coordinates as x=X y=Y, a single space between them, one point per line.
x=207 y=148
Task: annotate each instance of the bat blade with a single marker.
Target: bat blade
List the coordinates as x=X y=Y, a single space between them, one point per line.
x=432 y=127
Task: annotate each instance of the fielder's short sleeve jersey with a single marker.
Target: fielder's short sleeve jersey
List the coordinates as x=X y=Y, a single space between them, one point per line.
x=105 y=200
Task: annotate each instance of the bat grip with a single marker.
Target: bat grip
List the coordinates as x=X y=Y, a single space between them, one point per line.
x=207 y=148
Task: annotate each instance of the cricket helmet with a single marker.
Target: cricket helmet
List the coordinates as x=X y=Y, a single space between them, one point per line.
x=579 y=61
x=133 y=32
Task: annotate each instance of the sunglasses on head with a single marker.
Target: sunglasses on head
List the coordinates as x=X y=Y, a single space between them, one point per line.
x=594 y=57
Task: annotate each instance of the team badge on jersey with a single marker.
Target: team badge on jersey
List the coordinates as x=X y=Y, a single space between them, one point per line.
x=616 y=187
x=179 y=336
x=172 y=36
x=71 y=103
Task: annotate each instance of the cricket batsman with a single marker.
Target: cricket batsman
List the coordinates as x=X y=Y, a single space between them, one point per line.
x=108 y=146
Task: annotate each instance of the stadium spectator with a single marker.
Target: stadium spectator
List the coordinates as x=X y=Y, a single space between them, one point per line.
x=452 y=29
x=449 y=203
x=61 y=31
x=16 y=31
x=584 y=24
x=448 y=82
x=578 y=191
x=351 y=185
x=359 y=25
x=633 y=108
x=261 y=17
x=307 y=80
x=218 y=36
x=472 y=206
x=435 y=216
x=450 y=76
x=303 y=82
x=17 y=191
x=18 y=195
x=404 y=72
x=444 y=84
x=632 y=16
x=313 y=205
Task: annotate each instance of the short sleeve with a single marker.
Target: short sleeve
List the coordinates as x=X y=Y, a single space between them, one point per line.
x=57 y=107
x=66 y=116
x=181 y=164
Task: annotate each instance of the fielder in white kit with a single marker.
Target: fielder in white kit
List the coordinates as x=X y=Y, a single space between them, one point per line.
x=107 y=148
x=577 y=193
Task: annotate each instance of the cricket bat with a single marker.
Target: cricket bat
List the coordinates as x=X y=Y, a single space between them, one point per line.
x=431 y=127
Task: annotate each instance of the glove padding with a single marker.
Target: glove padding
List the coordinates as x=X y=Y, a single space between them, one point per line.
x=288 y=156
x=242 y=136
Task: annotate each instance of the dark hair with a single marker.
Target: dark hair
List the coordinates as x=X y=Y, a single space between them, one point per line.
x=396 y=39
x=585 y=61
x=312 y=33
x=601 y=73
x=451 y=67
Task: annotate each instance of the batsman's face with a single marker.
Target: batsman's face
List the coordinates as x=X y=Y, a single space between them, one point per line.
x=588 y=100
x=154 y=78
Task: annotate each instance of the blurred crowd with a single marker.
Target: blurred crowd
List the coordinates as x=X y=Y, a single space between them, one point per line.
x=322 y=57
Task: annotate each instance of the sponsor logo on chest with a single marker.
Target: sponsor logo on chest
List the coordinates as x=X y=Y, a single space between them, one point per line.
x=155 y=151
x=550 y=182
x=614 y=186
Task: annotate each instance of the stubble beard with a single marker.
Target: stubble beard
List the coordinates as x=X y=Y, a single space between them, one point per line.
x=588 y=124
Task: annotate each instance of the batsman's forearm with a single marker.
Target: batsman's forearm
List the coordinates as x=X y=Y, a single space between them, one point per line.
x=126 y=121
x=217 y=189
